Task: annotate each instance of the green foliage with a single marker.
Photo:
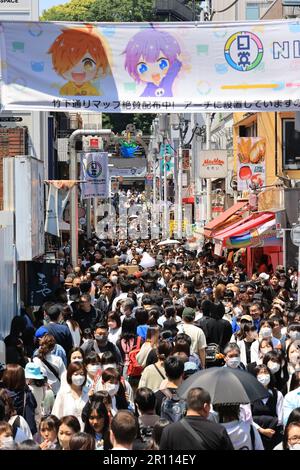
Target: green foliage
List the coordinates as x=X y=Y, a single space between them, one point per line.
x=102 y=10
x=118 y=122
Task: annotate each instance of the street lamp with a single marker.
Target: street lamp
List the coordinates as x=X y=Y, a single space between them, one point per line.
x=181 y=123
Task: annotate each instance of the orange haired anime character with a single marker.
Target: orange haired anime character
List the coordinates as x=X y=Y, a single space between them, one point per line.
x=79 y=56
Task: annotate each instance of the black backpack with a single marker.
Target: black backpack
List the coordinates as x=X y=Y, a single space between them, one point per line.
x=173 y=408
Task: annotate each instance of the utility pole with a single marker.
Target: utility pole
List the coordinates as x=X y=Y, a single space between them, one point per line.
x=74 y=191
x=179 y=206
x=208 y=180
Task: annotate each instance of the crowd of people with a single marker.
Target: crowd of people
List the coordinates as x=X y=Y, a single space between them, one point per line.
x=100 y=364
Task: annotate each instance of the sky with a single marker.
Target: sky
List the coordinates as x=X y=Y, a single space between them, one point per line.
x=45 y=4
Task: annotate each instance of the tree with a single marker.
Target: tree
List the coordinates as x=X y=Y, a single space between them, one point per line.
x=102 y=10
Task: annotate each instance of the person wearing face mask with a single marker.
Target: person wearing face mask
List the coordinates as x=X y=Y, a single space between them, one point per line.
x=276 y=363
x=291 y=437
x=6 y=436
x=293 y=332
x=232 y=357
x=100 y=343
x=293 y=357
x=245 y=338
x=267 y=413
x=71 y=400
x=264 y=346
x=112 y=383
x=35 y=381
x=93 y=367
x=265 y=333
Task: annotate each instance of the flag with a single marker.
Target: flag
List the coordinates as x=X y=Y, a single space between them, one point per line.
x=94 y=175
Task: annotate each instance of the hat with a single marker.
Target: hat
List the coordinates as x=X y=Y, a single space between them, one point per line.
x=264 y=276
x=41 y=331
x=33 y=371
x=246 y=317
x=188 y=313
x=208 y=290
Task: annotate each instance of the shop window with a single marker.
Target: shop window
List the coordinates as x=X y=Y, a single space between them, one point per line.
x=290 y=145
x=248 y=131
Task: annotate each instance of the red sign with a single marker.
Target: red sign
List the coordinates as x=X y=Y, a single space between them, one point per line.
x=94 y=143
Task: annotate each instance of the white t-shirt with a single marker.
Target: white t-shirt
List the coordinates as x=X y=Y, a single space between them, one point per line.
x=196 y=334
x=58 y=364
x=240 y=436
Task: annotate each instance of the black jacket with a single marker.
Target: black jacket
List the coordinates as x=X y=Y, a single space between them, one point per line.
x=25 y=405
x=87 y=320
x=214 y=436
x=216 y=331
x=62 y=335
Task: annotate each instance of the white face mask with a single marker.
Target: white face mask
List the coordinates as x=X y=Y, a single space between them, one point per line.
x=78 y=360
x=265 y=332
x=93 y=368
x=294 y=447
x=233 y=362
x=294 y=357
x=294 y=334
x=7 y=442
x=112 y=389
x=264 y=379
x=273 y=366
x=114 y=279
x=78 y=380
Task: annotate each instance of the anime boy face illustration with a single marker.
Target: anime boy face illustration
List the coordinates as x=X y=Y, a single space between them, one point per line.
x=79 y=56
x=152 y=56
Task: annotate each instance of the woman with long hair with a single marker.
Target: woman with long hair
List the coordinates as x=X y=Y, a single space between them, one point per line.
x=128 y=341
x=69 y=425
x=72 y=325
x=97 y=421
x=267 y=413
x=52 y=366
x=23 y=399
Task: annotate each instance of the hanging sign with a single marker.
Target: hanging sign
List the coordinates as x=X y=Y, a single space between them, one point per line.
x=150 y=67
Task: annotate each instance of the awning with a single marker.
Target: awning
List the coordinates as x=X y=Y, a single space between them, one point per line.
x=233 y=214
x=256 y=230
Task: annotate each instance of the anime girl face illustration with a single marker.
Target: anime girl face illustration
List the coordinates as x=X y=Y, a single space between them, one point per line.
x=79 y=56
x=152 y=56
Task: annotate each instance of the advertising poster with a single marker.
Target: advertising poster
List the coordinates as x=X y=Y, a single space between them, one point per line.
x=251 y=170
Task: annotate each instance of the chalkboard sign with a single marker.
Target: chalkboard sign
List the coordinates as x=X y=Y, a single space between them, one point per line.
x=43 y=280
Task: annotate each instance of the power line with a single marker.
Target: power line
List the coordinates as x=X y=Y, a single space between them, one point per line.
x=225 y=9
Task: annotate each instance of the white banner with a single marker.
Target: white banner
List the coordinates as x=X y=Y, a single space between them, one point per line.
x=213 y=163
x=51 y=223
x=94 y=173
x=157 y=67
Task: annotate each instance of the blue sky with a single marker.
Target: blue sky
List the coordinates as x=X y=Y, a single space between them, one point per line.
x=45 y=4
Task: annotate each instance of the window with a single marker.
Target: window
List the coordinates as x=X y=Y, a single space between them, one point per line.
x=290 y=145
x=252 y=11
x=248 y=131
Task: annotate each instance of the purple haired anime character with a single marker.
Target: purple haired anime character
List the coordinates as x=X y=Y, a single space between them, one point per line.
x=151 y=56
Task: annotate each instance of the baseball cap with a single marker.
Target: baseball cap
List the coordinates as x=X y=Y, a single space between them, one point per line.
x=188 y=313
x=264 y=276
x=242 y=287
x=33 y=371
x=246 y=317
x=41 y=331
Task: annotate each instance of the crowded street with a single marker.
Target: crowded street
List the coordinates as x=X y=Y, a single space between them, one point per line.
x=149 y=229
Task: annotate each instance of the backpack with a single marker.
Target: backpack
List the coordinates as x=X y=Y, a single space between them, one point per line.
x=213 y=354
x=134 y=369
x=173 y=408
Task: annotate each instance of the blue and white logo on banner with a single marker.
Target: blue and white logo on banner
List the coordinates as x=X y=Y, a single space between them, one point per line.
x=94 y=175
